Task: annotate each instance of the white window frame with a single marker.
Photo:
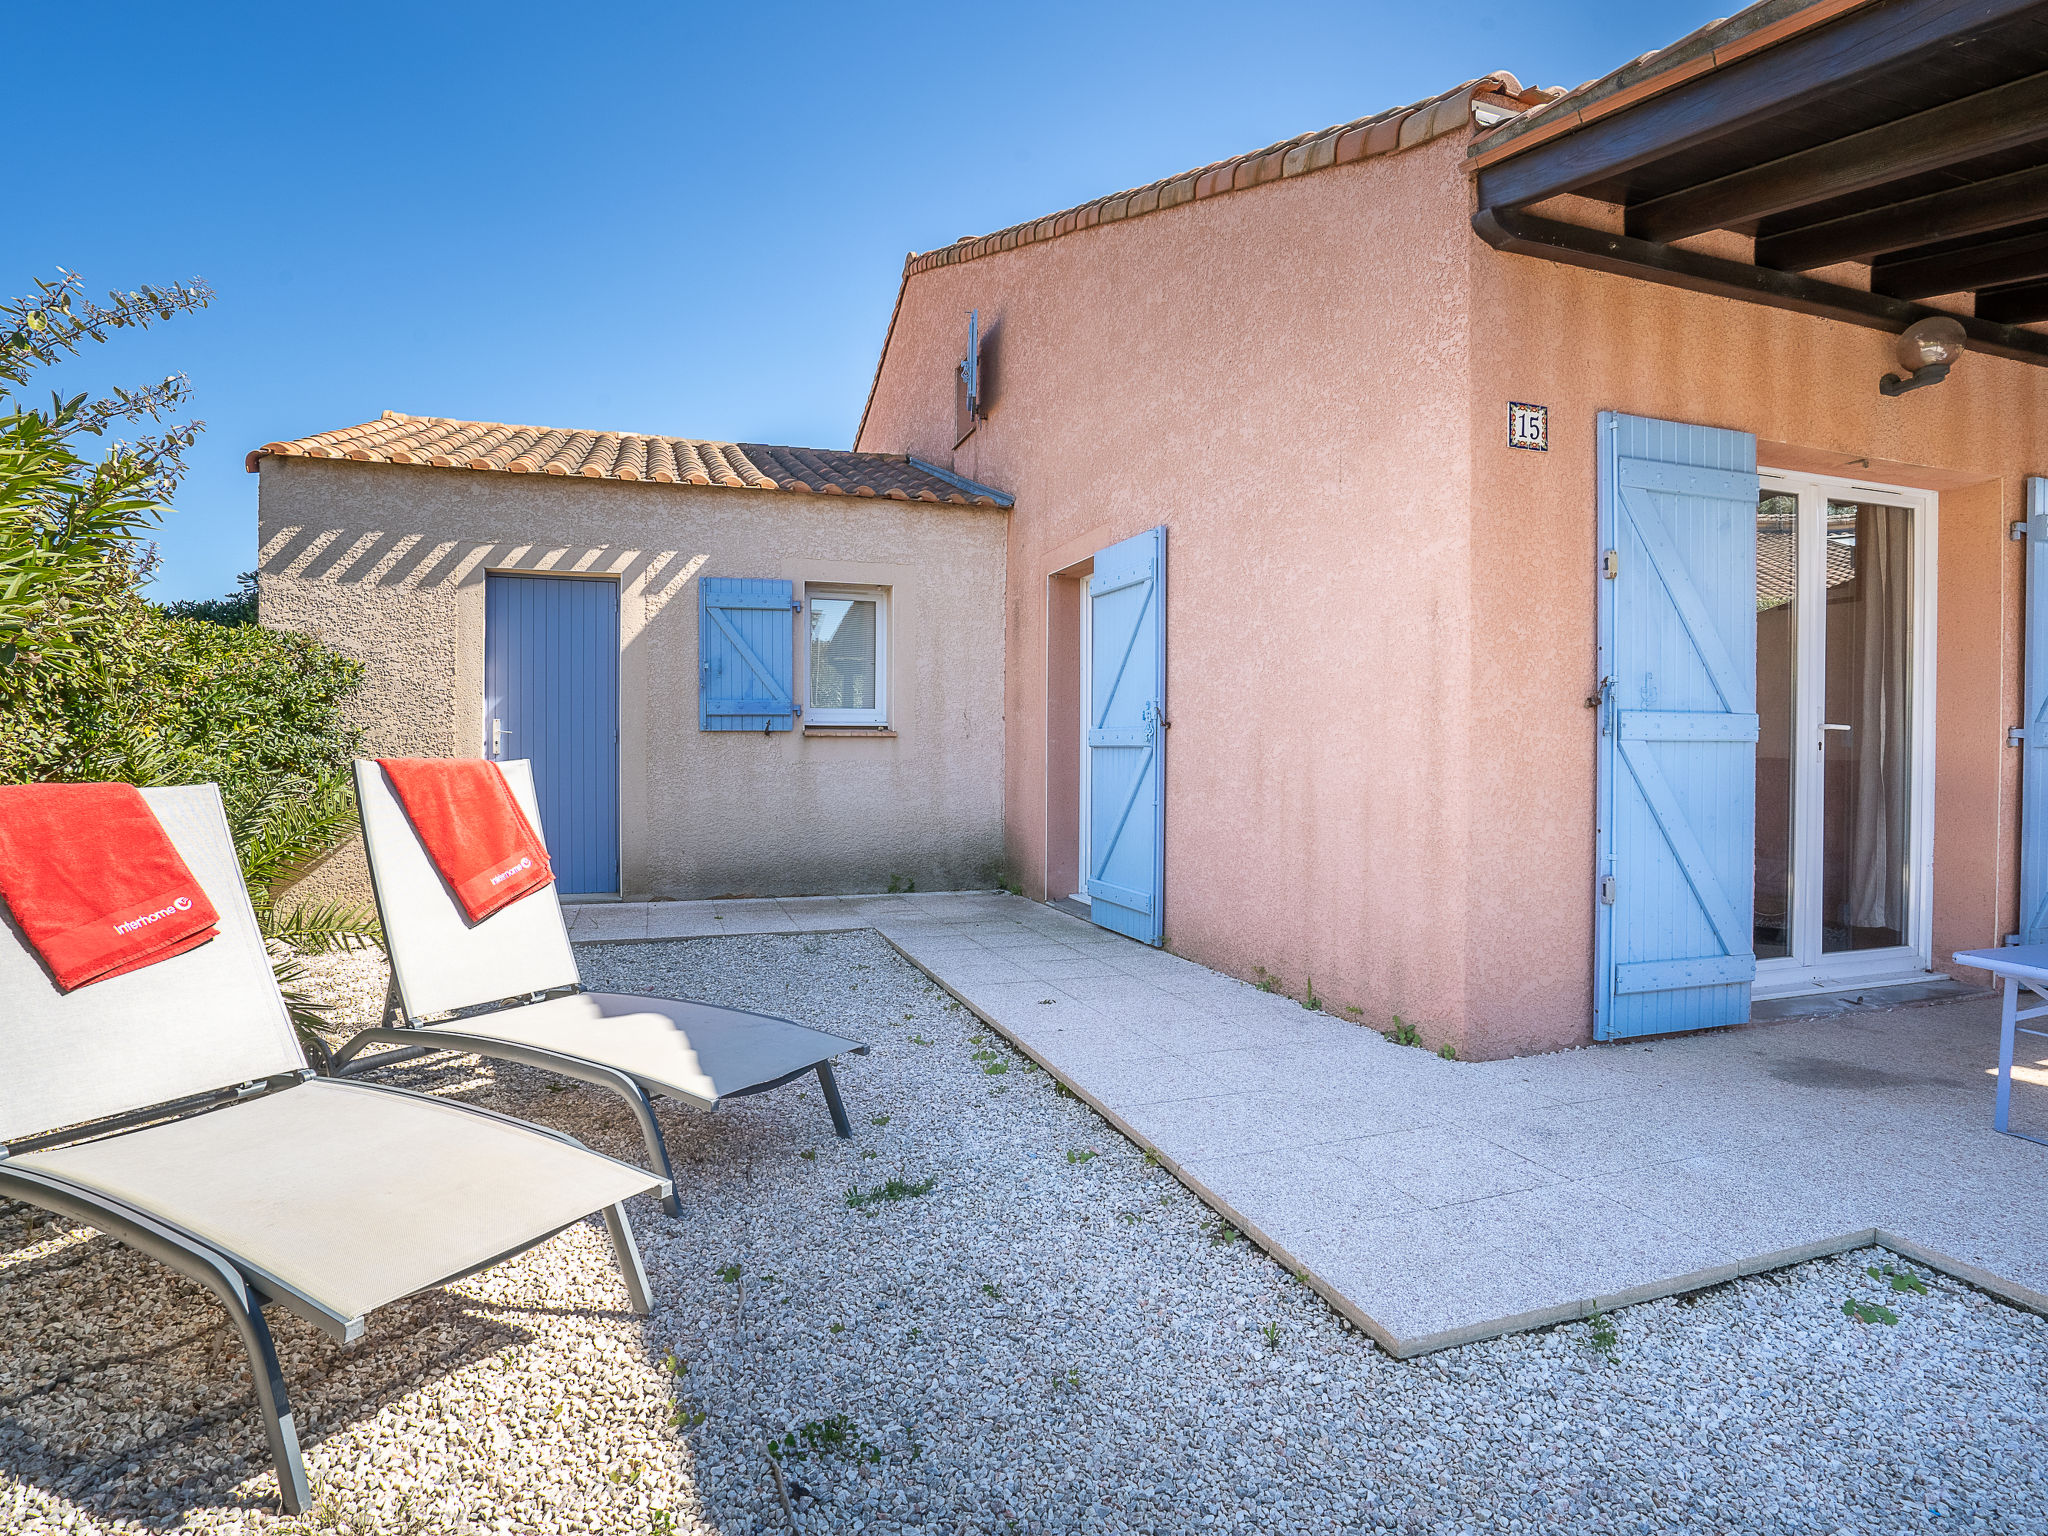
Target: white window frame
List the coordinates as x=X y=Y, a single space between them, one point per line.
x=878 y=717
x=1849 y=970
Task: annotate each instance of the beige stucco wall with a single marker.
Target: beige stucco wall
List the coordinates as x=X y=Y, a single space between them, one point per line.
x=1381 y=618
x=388 y=564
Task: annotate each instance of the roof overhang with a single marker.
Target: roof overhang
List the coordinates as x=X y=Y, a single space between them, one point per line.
x=1906 y=137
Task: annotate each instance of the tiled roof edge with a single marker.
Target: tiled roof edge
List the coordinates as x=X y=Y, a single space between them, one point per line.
x=446 y=442
x=1707 y=48
x=1382 y=134
x=974 y=487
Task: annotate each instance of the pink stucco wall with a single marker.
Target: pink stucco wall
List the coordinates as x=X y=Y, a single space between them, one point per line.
x=1380 y=618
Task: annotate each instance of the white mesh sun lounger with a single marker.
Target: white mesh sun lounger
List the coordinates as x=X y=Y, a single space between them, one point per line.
x=520 y=959
x=173 y=1110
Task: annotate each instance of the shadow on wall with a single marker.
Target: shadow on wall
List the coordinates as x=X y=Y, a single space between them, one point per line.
x=412 y=562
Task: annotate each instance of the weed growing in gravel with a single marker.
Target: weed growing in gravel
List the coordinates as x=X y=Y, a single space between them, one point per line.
x=1448 y=1051
x=731 y=1274
x=919 y=1040
x=1271 y=1334
x=1264 y=979
x=894 y=1189
x=1403 y=1034
x=1081 y=1155
x=916 y=1335
x=1151 y=1157
x=558 y=1087
x=1311 y=1002
x=991 y=1290
x=837 y=1328
x=1902 y=1280
x=1600 y=1334
x=871 y=1152
x=1869 y=1312
x=900 y=885
x=1071 y=1380
x=660 y=1523
x=881 y=1119
x=1220 y=1232
x=995 y=1068
x=809 y=1154
x=684 y=1419
x=677 y=1367
x=1129 y=1218
x=629 y=1473
x=836 y=1436
x=1061 y=1091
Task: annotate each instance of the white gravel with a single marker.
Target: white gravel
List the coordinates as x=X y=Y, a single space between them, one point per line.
x=1046 y=1341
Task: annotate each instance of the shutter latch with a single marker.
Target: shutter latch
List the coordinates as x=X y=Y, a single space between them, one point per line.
x=1610 y=563
x=2015 y=735
x=1607 y=890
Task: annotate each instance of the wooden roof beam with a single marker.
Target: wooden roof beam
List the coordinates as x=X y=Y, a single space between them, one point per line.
x=1527 y=234
x=2002 y=118
x=1837 y=58
x=2014 y=306
x=1948 y=215
x=2017 y=259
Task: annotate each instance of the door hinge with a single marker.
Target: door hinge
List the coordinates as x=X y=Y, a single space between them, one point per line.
x=2015 y=735
x=1607 y=890
x=1610 y=563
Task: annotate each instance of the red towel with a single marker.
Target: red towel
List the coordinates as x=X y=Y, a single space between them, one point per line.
x=475 y=833
x=93 y=881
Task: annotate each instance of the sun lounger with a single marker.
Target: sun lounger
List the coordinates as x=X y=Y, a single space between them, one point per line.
x=520 y=960
x=173 y=1110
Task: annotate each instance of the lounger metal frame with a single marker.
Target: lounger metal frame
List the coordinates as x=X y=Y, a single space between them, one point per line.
x=409 y=1036
x=244 y=1288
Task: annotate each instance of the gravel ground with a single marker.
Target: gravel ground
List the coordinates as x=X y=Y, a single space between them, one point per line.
x=1042 y=1334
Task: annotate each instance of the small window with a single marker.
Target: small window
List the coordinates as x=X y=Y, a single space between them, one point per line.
x=849 y=656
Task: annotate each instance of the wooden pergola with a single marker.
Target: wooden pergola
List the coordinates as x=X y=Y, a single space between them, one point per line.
x=1910 y=136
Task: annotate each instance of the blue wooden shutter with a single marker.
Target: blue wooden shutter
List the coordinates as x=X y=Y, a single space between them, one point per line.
x=2034 y=770
x=1674 y=944
x=1127 y=792
x=746 y=654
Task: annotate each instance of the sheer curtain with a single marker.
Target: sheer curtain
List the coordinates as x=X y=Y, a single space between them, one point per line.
x=1881 y=744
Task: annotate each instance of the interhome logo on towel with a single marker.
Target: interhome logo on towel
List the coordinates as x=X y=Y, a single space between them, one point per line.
x=500 y=879
x=182 y=904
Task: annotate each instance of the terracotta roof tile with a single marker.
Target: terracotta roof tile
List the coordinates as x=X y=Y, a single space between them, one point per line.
x=1383 y=133
x=631 y=456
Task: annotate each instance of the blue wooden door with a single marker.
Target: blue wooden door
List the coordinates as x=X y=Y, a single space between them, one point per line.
x=2034 y=688
x=1673 y=937
x=1126 y=873
x=551 y=696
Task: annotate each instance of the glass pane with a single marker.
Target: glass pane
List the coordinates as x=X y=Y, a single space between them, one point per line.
x=1777 y=657
x=842 y=653
x=1866 y=743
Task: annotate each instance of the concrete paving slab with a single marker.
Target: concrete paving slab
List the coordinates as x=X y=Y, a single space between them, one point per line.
x=1438 y=1202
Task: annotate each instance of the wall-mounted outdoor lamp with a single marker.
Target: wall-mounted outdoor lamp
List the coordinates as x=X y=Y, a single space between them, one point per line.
x=1926 y=349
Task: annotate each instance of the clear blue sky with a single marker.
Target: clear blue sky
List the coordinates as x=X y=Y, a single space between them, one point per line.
x=660 y=218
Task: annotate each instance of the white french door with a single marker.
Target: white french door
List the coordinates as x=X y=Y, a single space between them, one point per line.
x=1845 y=761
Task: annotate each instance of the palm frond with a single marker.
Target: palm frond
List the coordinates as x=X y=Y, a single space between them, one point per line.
x=320 y=927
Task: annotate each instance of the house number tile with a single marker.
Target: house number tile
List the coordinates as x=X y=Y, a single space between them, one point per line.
x=1528 y=426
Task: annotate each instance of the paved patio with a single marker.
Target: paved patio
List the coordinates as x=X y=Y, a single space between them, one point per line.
x=1437 y=1202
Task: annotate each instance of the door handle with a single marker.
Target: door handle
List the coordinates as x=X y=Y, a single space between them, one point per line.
x=1821 y=745
x=498 y=733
